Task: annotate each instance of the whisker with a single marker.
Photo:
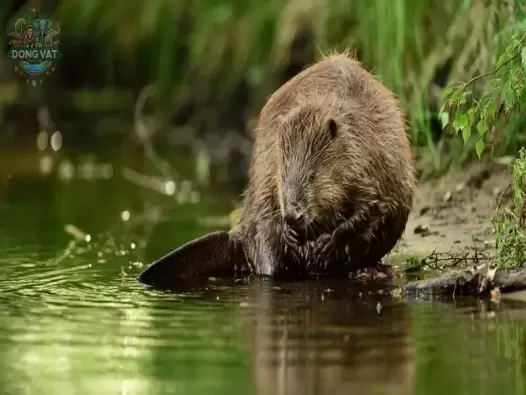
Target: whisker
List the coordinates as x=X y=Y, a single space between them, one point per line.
x=312 y=232
x=304 y=211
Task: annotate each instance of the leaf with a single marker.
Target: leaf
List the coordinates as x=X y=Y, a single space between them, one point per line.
x=457 y=120
x=522 y=98
x=455 y=95
x=489 y=112
x=509 y=96
x=501 y=60
x=466 y=133
x=464 y=121
x=481 y=127
x=479 y=147
x=462 y=99
x=471 y=116
x=444 y=117
x=446 y=92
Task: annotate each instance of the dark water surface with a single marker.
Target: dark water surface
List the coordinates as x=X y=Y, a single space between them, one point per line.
x=73 y=320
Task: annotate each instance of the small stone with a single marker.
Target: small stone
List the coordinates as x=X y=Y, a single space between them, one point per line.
x=496 y=191
x=424 y=210
x=421 y=229
x=460 y=187
x=448 y=196
x=381 y=276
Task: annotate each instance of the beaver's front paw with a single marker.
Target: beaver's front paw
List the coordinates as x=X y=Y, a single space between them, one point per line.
x=332 y=253
x=322 y=252
x=291 y=239
x=329 y=248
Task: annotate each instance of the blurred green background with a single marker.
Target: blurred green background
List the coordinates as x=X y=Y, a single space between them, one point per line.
x=215 y=62
x=100 y=174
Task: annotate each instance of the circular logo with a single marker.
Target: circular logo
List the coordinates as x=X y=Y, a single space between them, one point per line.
x=34 y=41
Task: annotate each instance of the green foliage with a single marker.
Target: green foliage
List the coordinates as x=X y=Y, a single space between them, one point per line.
x=482 y=111
x=503 y=95
x=202 y=51
x=509 y=221
x=227 y=41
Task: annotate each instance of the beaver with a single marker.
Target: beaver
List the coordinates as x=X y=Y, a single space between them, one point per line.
x=331 y=184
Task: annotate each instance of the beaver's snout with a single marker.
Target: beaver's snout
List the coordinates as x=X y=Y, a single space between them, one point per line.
x=294 y=218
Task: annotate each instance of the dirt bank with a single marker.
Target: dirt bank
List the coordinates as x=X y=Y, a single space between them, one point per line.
x=454 y=212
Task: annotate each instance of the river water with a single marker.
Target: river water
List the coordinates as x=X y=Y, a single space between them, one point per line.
x=73 y=319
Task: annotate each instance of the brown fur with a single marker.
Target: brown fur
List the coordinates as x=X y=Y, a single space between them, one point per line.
x=363 y=175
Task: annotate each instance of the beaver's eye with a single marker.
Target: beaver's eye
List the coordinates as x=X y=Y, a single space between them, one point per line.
x=311 y=177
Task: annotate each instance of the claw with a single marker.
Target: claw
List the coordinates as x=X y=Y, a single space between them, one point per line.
x=290 y=237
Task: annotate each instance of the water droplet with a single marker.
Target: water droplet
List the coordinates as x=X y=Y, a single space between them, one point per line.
x=125 y=215
x=56 y=141
x=169 y=188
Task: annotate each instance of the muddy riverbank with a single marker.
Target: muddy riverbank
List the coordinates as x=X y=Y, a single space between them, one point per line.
x=453 y=213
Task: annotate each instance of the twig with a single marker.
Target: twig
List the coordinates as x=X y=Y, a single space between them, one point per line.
x=434 y=259
x=494 y=71
x=145 y=134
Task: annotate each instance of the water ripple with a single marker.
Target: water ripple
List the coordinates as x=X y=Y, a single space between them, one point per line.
x=83 y=325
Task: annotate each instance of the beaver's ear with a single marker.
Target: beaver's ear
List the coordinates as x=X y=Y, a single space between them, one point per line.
x=211 y=255
x=332 y=125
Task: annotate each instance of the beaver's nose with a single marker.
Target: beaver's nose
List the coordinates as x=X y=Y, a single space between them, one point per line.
x=293 y=218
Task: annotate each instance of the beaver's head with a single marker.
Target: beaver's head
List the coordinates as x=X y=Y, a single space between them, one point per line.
x=311 y=188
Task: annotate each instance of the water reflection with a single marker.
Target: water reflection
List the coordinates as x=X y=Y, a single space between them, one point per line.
x=73 y=320
x=325 y=338
x=82 y=329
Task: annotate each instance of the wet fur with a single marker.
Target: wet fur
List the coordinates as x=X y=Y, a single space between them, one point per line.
x=334 y=121
x=364 y=194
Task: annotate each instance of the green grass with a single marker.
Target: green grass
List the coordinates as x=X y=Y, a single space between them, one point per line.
x=202 y=49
